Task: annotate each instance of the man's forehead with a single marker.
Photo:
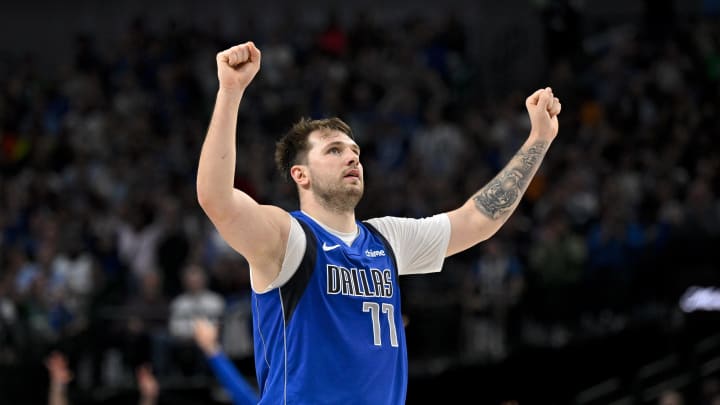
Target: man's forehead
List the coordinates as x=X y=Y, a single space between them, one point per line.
x=324 y=136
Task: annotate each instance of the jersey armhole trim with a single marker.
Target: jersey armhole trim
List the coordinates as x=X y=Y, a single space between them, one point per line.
x=293 y=289
x=385 y=242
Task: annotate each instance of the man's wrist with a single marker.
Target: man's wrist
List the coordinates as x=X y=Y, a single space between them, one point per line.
x=230 y=94
x=539 y=136
x=57 y=386
x=212 y=350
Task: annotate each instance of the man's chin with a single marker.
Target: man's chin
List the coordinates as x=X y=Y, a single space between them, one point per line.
x=356 y=191
x=342 y=198
x=354 y=195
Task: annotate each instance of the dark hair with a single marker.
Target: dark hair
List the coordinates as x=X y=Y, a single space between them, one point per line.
x=293 y=146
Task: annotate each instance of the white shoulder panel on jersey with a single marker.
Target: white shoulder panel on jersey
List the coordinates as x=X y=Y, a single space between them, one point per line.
x=294 y=252
x=420 y=244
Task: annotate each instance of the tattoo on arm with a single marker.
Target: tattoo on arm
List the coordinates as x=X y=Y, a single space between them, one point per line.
x=500 y=195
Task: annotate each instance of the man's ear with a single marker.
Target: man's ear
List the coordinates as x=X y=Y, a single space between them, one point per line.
x=299 y=174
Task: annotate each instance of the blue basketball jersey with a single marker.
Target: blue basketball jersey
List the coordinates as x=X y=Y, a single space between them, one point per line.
x=333 y=334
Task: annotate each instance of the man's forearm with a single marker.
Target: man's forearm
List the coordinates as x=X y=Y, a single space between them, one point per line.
x=147 y=400
x=483 y=214
x=499 y=198
x=57 y=394
x=216 y=169
x=230 y=378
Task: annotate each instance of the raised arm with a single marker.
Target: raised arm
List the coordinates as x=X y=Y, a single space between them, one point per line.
x=147 y=385
x=487 y=210
x=206 y=337
x=60 y=377
x=258 y=232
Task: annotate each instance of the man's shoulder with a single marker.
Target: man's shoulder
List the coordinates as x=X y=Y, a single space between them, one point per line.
x=390 y=220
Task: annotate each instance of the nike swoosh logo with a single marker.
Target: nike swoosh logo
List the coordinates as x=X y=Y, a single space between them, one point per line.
x=328 y=248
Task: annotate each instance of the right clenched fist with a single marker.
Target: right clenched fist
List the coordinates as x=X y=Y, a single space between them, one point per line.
x=237 y=66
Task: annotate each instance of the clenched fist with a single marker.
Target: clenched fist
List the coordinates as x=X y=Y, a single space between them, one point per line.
x=206 y=336
x=543 y=108
x=237 y=66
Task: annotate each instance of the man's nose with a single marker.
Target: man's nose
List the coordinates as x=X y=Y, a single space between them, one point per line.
x=352 y=158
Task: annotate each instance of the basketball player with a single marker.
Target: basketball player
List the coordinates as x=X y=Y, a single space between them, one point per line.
x=327 y=321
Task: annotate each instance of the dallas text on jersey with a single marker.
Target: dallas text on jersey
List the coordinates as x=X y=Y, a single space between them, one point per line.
x=359 y=282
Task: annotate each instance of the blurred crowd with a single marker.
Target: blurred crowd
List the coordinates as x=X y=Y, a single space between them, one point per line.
x=105 y=252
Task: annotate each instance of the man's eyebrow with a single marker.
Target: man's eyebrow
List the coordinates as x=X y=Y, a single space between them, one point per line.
x=352 y=145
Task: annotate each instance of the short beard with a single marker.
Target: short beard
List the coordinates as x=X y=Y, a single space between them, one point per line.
x=337 y=200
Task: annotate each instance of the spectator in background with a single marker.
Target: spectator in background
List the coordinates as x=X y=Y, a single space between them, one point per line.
x=138 y=237
x=43 y=314
x=53 y=289
x=493 y=288
x=173 y=248
x=438 y=133
x=206 y=337
x=60 y=376
x=72 y=268
x=144 y=325
x=230 y=277
x=556 y=261
x=613 y=244
x=10 y=332
x=195 y=301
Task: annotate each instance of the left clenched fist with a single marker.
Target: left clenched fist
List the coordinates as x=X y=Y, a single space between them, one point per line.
x=543 y=108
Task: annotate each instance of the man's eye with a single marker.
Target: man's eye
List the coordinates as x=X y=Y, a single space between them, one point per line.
x=334 y=150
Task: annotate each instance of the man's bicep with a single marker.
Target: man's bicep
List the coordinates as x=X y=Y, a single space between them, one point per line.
x=258 y=232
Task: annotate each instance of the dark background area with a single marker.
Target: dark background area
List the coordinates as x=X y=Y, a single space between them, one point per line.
x=103 y=108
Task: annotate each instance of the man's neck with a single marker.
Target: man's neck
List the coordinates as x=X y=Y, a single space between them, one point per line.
x=339 y=221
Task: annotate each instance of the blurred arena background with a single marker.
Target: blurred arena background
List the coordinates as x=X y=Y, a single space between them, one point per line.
x=601 y=289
